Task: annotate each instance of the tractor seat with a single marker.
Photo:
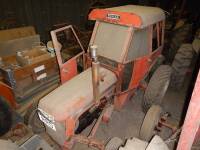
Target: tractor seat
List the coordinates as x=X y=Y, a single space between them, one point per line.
x=75 y=95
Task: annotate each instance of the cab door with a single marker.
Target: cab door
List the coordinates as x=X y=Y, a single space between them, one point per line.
x=69 y=52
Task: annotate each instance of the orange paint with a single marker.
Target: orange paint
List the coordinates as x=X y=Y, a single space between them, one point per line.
x=124 y=18
x=141 y=67
x=70 y=126
x=79 y=104
x=120 y=101
x=68 y=70
x=7 y=93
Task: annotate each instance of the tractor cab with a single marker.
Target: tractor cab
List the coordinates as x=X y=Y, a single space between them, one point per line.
x=124 y=45
x=126 y=33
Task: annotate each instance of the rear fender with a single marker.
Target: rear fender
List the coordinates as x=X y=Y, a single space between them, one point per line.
x=141 y=69
x=157 y=59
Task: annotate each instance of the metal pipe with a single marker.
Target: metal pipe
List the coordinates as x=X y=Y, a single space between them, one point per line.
x=168 y=125
x=95 y=73
x=93 y=53
x=95 y=127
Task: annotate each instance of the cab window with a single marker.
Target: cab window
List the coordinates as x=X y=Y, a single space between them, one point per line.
x=156 y=36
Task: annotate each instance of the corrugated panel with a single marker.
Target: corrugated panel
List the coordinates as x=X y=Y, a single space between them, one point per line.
x=43 y=14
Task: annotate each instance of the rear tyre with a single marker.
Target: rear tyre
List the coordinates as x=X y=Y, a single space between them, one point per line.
x=32 y=119
x=180 y=36
x=114 y=144
x=181 y=64
x=157 y=87
x=150 y=122
x=5 y=116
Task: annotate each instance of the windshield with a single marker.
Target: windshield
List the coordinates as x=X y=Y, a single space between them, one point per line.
x=110 y=39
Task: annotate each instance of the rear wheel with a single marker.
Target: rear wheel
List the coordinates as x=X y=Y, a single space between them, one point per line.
x=150 y=122
x=157 y=87
x=114 y=144
x=180 y=36
x=181 y=64
x=5 y=116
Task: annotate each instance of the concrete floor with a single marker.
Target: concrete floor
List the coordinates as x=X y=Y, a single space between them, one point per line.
x=127 y=122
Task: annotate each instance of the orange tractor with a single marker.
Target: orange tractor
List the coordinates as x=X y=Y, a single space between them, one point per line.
x=124 y=55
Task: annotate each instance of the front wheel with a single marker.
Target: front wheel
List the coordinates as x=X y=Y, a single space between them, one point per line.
x=150 y=122
x=114 y=144
x=31 y=118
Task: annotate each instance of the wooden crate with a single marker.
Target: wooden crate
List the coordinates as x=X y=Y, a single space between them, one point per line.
x=16 y=33
x=28 y=57
x=17 y=39
x=27 y=79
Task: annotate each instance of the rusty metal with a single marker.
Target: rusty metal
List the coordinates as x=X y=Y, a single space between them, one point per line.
x=95 y=74
x=163 y=122
x=68 y=69
x=168 y=125
x=19 y=130
x=95 y=81
x=94 y=129
x=114 y=66
x=91 y=142
x=141 y=65
x=108 y=112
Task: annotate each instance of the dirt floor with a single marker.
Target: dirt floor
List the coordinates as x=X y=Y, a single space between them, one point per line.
x=127 y=122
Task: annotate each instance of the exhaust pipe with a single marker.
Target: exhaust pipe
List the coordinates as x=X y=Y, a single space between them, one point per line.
x=95 y=73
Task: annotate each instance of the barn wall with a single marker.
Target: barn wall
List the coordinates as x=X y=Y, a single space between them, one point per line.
x=43 y=14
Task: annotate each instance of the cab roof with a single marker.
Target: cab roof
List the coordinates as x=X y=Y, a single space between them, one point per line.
x=129 y=15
